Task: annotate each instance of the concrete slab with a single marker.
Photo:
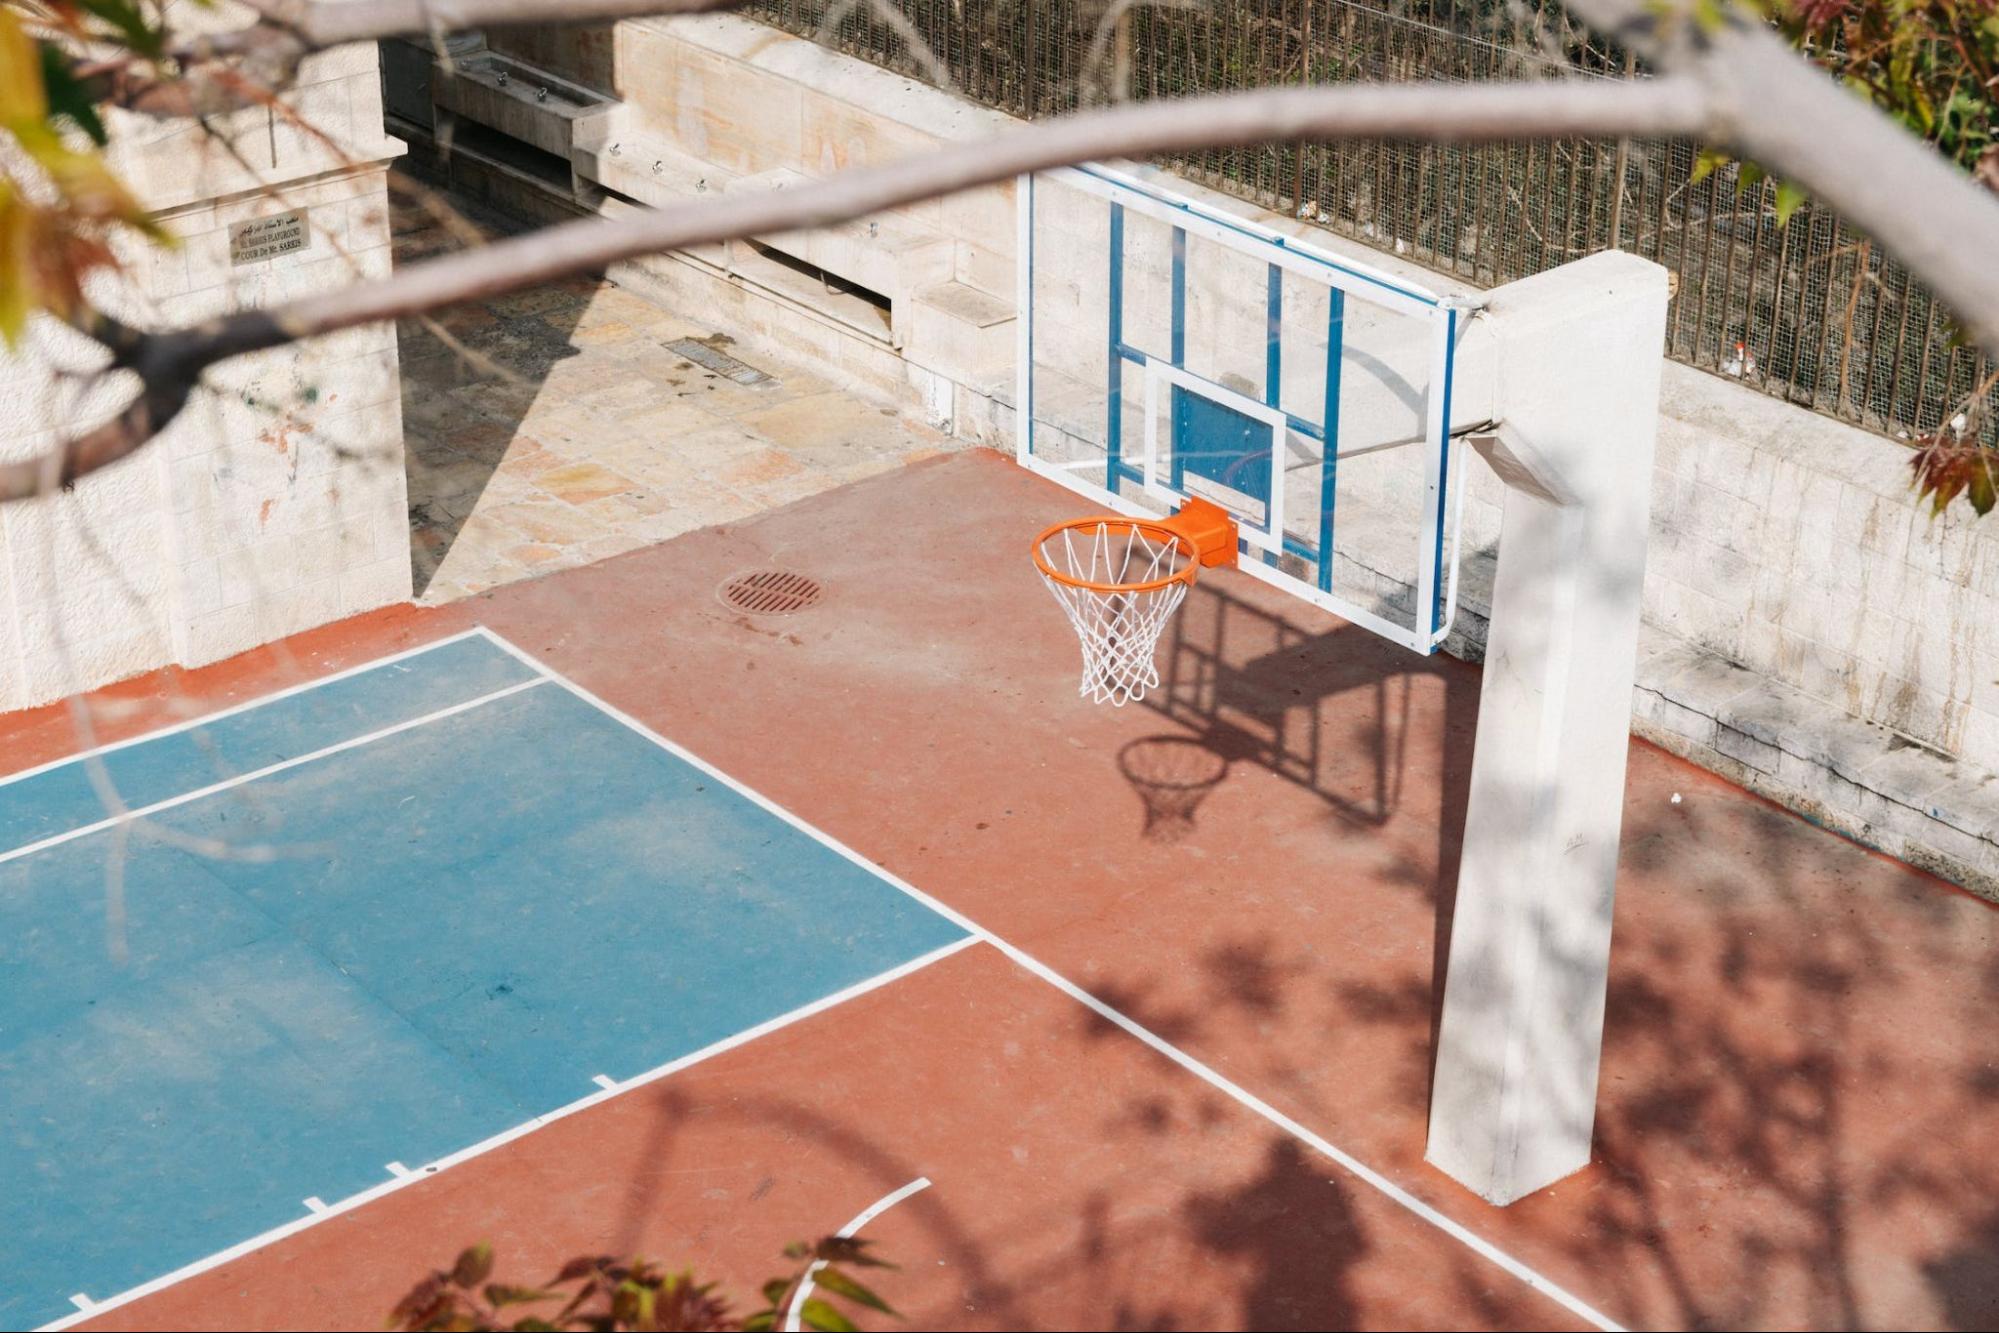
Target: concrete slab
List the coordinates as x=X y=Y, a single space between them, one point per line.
x=551 y=428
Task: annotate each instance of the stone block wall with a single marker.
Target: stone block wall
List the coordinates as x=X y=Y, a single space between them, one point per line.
x=276 y=501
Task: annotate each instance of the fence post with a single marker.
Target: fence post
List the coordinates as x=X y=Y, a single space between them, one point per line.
x=1617 y=172
x=1121 y=58
x=1305 y=79
x=1031 y=58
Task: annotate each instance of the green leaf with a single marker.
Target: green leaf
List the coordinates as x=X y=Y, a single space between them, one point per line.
x=816 y=1313
x=1789 y=199
x=22 y=101
x=129 y=20
x=759 y=1323
x=498 y=1294
x=776 y=1288
x=1749 y=176
x=1981 y=491
x=837 y=1282
x=1706 y=163
x=68 y=97
x=473 y=1267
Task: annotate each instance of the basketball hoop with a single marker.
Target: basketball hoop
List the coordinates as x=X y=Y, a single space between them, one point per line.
x=1121 y=579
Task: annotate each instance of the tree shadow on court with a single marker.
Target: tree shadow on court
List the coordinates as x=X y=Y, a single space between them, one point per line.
x=654 y=1180
x=1274 y=1248
x=1334 y=712
x=1769 y=1147
x=1299 y=1236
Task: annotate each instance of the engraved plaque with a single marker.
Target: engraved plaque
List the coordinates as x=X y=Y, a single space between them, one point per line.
x=267 y=238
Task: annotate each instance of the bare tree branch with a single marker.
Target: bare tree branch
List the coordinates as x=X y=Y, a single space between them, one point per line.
x=296 y=27
x=169 y=364
x=1728 y=83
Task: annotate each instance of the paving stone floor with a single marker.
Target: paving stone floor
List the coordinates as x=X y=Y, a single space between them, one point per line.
x=562 y=430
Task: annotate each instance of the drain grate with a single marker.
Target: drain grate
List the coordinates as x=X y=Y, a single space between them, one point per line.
x=770 y=592
x=712 y=358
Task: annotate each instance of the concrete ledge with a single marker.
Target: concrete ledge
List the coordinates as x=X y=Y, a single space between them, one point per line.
x=1859 y=779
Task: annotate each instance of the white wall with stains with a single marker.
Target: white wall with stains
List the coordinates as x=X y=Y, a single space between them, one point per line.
x=276 y=501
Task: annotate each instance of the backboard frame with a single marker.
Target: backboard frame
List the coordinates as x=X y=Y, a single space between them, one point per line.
x=1264 y=545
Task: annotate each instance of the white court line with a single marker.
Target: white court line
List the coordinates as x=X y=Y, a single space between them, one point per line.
x=233 y=709
x=1457 y=1231
x=861 y=1219
x=401 y=1177
x=354 y=742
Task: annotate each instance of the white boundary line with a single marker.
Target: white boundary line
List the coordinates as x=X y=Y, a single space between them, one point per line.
x=353 y=742
x=861 y=1219
x=1470 y=1239
x=233 y=709
x=401 y=1177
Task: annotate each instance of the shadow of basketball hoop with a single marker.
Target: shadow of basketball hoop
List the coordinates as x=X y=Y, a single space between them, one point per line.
x=1327 y=709
x=1172 y=775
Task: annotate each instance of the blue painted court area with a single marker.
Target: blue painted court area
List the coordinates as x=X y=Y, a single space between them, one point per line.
x=459 y=893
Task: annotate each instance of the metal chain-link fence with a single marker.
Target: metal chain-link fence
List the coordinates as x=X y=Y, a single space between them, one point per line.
x=1812 y=311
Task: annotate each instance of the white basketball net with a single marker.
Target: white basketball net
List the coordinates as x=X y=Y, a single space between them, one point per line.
x=1118 y=629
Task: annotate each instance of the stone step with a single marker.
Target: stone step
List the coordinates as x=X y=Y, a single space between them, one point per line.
x=619 y=151
x=960 y=331
x=888 y=254
x=517 y=100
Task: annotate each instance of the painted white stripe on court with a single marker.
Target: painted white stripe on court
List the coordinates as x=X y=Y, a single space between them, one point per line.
x=401 y=1177
x=1374 y=1179
x=212 y=788
x=861 y=1219
x=233 y=709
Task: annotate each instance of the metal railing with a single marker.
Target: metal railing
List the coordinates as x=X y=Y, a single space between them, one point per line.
x=1811 y=311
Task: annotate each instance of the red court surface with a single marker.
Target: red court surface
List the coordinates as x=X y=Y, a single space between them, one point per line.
x=1801 y=1076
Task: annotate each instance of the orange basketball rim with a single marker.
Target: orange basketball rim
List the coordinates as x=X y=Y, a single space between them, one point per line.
x=1120 y=579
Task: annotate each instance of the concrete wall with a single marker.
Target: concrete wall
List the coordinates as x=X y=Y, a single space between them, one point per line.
x=1810 y=630
x=276 y=501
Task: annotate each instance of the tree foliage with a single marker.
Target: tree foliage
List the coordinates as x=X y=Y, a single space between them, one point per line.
x=1932 y=64
x=60 y=202
x=598 y=1292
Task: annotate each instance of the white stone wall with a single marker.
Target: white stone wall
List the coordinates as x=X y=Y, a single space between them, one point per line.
x=276 y=501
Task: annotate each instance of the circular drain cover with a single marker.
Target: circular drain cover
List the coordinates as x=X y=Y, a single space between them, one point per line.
x=770 y=592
